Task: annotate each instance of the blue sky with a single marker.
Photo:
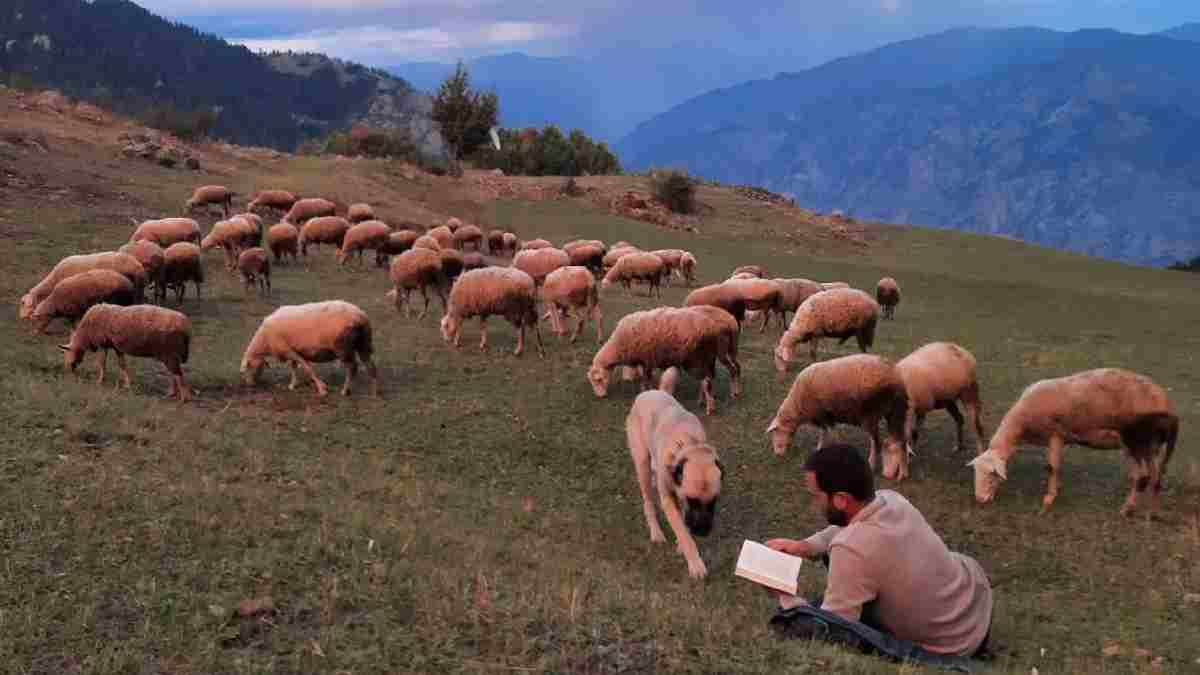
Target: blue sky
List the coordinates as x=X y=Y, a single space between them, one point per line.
x=778 y=34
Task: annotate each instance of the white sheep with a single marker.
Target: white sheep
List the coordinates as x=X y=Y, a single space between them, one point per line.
x=211 y=194
x=509 y=240
x=453 y=263
x=427 y=242
x=283 y=238
x=73 y=296
x=831 y=285
x=183 y=262
x=278 y=200
x=693 y=338
x=637 y=266
x=736 y=296
x=588 y=253
x=167 y=231
x=502 y=291
x=687 y=268
x=322 y=230
x=418 y=269
x=887 y=294
x=400 y=241
x=753 y=270
x=357 y=213
x=307 y=209
x=255 y=266
x=140 y=330
x=795 y=292
x=116 y=261
x=535 y=244
x=443 y=235
x=232 y=236
x=317 y=332
x=616 y=253
x=861 y=390
x=468 y=234
x=255 y=221
x=151 y=256
x=495 y=241
x=573 y=288
x=1105 y=409
x=937 y=376
x=539 y=262
x=672 y=258
x=368 y=235
x=837 y=313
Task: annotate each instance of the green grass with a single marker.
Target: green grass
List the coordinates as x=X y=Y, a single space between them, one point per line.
x=482 y=516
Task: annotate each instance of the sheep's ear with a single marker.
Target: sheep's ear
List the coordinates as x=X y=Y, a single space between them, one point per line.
x=774 y=426
x=677 y=473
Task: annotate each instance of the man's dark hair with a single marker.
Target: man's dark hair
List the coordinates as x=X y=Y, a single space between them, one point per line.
x=842 y=468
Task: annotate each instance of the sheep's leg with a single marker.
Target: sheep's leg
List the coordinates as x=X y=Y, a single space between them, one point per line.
x=177 y=385
x=424 y=294
x=125 y=382
x=735 y=373
x=350 y=365
x=766 y=319
x=706 y=386
x=295 y=376
x=813 y=354
x=960 y=423
x=598 y=319
x=971 y=402
x=1139 y=480
x=537 y=334
x=1053 y=461
x=871 y=426
x=102 y=358
x=321 y=388
x=520 y=325
x=442 y=294
x=372 y=372
x=483 y=335
x=583 y=317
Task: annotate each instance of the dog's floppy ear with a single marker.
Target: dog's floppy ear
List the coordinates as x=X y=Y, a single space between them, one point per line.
x=677 y=472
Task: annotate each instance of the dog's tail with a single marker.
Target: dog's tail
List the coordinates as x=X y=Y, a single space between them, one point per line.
x=668 y=380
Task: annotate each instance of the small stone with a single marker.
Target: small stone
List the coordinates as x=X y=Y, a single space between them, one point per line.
x=1112 y=650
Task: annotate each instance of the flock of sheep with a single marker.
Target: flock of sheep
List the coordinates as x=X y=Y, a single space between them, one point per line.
x=102 y=293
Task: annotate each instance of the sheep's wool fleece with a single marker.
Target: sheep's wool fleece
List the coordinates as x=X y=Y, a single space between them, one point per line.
x=939 y=371
x=840 y=310
x=634 y=265
x=670 y=256
x=167 y=231
x=148 y=253
x=313 y=329
x=491 y=290
x=796 y=291
x=75 y=294
x=616 y=254
x=324 y=229
x=414 y=266
x=310 y=208
x=838 y=390
x=122 y=263
x=140 y=330
x=366 y=232
x=539 y=262
x=666 y=335
x=282 y=232
x=756 y=291
x=572 y=285
x=1105 y=398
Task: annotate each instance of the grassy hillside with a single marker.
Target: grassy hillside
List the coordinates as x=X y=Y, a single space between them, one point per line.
x=482 y=516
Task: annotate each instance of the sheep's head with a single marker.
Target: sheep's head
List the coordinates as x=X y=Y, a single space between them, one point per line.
x=780 y=438
x=72 y=356
x=25 y=309
x=895 y=460
x=450 y=326
x=598 y=377
x=990 y=471
x=252 y=366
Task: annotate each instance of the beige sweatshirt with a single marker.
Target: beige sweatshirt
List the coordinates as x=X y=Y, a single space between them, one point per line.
x=927 y=594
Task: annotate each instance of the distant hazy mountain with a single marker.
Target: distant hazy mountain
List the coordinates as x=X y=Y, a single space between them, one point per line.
x=1087 y=141
x=604 y=95
x=117 y=53
x=1187 y=31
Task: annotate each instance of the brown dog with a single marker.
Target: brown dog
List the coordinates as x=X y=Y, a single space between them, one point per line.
x=668 y=445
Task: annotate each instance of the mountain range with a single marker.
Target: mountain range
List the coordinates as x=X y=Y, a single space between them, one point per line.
x=120 y=55
x=1087 y=141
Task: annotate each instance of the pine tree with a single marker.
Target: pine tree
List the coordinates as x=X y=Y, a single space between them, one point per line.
x=464 y=115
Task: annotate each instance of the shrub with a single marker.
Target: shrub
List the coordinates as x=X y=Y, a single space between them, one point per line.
x=675 y=189
x=188 y=125
x=570 y=188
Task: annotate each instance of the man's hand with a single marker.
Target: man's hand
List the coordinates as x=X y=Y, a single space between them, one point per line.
x=792 y=546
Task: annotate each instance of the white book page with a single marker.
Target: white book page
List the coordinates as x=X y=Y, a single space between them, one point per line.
x=766 y=566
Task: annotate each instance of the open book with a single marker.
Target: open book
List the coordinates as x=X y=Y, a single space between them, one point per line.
x=766 y=566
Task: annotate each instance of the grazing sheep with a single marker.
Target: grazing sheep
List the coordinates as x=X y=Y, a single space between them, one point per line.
x=255 y=221
x=495 y=242
x=509 y=243
x=418 y=269
x=283 y=238
x=428 y=243
x=535 y=244
x=452 y=263
x=1105 y=409
x=442 y=235
x=73 y=296
x=183 y=262
x=473 y=261
x=691 y=338
x=861 y=390
x=572 y=288
x=760 y=295
x=255 y=267
x=322 y=230
x=502 y=291
x=623 y=244
x=400 y=241
x=358 y=213
x=232 y=236
x=211 y=194
x=453 y=224
x=672 y=258
x=539 y=262
x=140 y=330
x=838 y=313
x=122 y=263
x=738 y=295
x=637 y=266
x=936 y=376
x=368 y=235
x=307 y=209
x=795 y=292
x=756 y=270
x=468 y=234
x=317 y=332
x=277 y=200
x=887 y=294
x=589 y=254
x=687 y=268
x=831 y=285
x=167 y=231
x=150 y=255
x=616 y=253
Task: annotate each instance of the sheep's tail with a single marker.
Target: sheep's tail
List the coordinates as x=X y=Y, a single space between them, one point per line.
x=669 y=379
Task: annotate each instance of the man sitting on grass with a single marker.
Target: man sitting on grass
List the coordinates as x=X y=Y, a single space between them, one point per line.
x=888 y=569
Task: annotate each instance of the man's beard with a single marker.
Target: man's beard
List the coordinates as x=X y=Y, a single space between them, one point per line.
x=836 y=516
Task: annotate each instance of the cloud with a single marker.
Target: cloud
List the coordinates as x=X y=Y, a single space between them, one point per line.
x=377 y=44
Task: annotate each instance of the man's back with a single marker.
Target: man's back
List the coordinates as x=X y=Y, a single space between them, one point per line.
x=925 y=593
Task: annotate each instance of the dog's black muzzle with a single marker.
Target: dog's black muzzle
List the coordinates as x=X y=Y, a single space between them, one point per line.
x=699 y=516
